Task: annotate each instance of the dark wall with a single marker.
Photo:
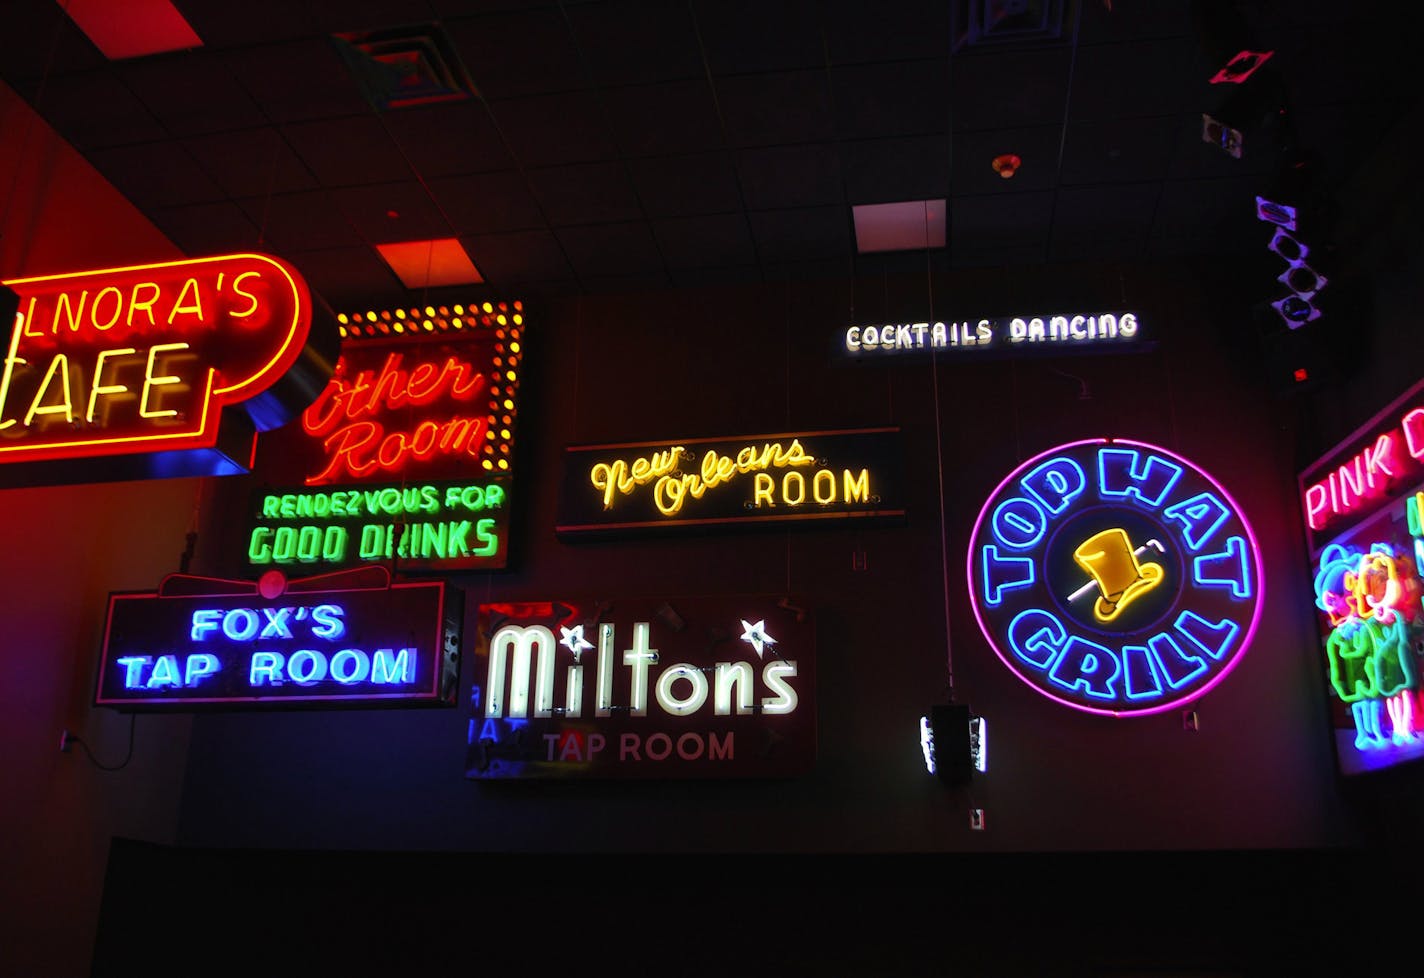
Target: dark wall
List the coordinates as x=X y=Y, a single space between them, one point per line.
x=753 y=360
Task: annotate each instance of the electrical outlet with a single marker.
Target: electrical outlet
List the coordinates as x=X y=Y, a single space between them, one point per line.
x=65 y=739
x=976 y=819
x=1190 y=721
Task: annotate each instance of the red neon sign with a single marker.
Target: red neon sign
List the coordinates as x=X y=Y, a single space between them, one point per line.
x=1383 y=457
x=351 y=416
x=142 y=360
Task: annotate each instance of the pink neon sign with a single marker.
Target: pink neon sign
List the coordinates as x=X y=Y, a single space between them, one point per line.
x=1383 y=457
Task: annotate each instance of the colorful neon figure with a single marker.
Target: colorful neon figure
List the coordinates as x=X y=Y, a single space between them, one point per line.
x=1370 y=599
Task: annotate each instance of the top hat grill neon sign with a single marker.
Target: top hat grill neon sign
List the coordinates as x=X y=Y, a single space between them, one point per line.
x=1115 y=577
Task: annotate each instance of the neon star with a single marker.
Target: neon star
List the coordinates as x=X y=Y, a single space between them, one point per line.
x=573 y=639
x=756 y=634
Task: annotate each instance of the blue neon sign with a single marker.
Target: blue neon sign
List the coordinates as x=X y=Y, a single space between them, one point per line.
x=352 y=638
x=1115 y=577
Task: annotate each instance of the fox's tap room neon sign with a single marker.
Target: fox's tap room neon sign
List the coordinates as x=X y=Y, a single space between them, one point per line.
x=145 y=365
x=1115 y=577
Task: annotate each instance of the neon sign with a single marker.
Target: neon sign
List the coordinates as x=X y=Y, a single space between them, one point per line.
x=138 y=364
x=349 y=639
x=687 y=688
x=1382 y=458
x=1055 y=333
x=758 y=479
x=1369 y=591
x=1115 y=577
x=406 y=456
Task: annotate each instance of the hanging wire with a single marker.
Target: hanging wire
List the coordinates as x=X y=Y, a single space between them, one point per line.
x=939 y=466
x=128 y=756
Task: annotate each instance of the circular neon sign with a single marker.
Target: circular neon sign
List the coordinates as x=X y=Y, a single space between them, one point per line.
x=1115 y=577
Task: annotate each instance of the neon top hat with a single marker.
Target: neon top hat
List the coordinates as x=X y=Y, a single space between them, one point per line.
x=1109 y=557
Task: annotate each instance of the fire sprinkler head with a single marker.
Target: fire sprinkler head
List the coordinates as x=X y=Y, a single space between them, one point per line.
x=1007 y=165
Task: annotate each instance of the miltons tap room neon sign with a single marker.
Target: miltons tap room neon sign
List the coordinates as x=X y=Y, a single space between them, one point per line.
x=1115 y=577
x=684 y=687
x=757 y=479
x=160 y=369
x=353 y=638
x=407 y=455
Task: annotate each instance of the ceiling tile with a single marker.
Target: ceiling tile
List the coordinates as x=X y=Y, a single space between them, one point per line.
x=156 y=174
x=207 y=229
x=346 y=151
x=974 y=153
x=806 y=234
x=517 y=258
x=338 y=16
x=307 y=221
x=1122 y=212
x=790 y=176
x=680 y=186
x=907 y=98
x=1000 y=221
x=188 y=92
x=250 y=162
x=448 y=138
x=1118 y=149
x=518 y=52
x=1009 y=89
x=485 y=203
x=1138 y=78
x=39 y=41
x=94 y=109
x=611 y=249
x=630 y=42
x=657 y=120
x=392 y=212
x=858 y=32
x=754 y=36
x=900 y=168
x=227 y=25
x=349 y=278
x=546 y=130
x=783 y=107
x=707 y=240
x=586 y=193
x=298 y=80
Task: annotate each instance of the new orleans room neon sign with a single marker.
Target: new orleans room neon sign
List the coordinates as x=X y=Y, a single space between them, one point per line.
x=139 y=364
x=1115 y=577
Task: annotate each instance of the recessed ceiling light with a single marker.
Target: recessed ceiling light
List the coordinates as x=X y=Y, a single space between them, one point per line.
x=427 y=264
x=132 y=28
x=907 y=225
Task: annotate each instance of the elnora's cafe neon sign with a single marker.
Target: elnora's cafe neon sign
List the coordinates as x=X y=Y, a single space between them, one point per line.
x=139 y=364
x=1115 y=577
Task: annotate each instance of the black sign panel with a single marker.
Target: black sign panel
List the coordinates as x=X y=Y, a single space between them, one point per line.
x=755 y=479
x=348 y=639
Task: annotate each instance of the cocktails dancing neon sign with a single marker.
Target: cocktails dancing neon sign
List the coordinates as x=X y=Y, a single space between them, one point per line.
x=1115 y=577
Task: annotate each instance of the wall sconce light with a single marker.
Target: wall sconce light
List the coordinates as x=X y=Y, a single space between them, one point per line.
x=955 y=743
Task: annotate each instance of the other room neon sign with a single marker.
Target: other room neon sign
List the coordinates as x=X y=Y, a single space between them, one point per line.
x=144 y=359
x=1115 y=577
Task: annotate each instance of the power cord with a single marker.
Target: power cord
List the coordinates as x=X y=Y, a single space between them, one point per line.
x=66 y=739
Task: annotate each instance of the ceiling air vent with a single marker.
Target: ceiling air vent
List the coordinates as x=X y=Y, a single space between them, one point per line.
x=978 y=23
x=404 y=66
